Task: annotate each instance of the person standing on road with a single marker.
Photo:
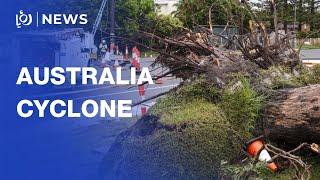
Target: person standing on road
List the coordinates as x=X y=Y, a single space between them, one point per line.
x=103 y=48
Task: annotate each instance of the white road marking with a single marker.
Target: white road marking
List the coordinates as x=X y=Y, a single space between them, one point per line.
x=125 y=92
x=78 y=91
x=93 y=89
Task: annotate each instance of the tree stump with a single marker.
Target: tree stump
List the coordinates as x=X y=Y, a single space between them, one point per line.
x=293 y=115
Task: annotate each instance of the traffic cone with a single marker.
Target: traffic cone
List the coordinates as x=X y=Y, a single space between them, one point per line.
x=142 y=93
x=134 y=62
x=133 y=52
x=143 y=110
x=159 y=81
x=138 y=55
x=255 y=147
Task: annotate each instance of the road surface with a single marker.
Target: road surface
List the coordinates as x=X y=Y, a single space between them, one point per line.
x=310 y=54
x=79 y=144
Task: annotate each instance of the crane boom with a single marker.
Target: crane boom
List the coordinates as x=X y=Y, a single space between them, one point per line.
x=99 y=16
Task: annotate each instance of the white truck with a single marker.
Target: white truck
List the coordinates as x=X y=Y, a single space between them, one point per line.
x=64 y=48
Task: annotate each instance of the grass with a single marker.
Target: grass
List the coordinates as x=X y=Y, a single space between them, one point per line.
x=258 y=170
x=238 y=107
x=305 y=46
x=192 y=134
x=241 y=107
x=290 y=173
x=282 y=77
x=196 y=91
x=191 y=139
x=196 y=111
x=308 y=76
x=192 y=149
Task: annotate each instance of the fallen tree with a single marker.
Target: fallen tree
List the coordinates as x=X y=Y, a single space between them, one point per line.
x=191 y=131
x=293 y=115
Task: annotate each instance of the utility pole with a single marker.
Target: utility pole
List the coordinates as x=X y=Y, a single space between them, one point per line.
x=107 y=19
x=294 y=24
x=112 y=12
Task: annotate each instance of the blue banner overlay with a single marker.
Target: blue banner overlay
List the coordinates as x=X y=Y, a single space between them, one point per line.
x=69 y=143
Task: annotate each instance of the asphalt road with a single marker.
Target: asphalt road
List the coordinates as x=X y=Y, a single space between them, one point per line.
x=80 y=93
x=310 y=54
x=79 y=144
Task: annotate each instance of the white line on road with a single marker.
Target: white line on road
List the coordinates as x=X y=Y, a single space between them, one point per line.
x=88 y=90
x=78 y=91
x=126 y=92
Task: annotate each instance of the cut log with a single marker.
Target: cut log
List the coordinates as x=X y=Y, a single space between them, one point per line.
x=293 y=115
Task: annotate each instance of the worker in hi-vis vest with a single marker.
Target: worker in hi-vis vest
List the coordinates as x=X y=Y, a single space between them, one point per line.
x=103 y=48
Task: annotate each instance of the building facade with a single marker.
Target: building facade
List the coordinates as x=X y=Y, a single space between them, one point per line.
x=166 y=7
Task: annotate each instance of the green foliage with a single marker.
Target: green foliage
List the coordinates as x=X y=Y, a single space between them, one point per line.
x=131 y=14
x=250 y=170
x=89 y=7
x=198 y=89
x=193 y=92
x=241 y=106
x=305 y=46
x=258 y=171
x=290 y=172
x=165 y=25
x=308 y=76
x=312 y=34
x=194 y=133
x=136 y=16
x=279 y=77
x=196 y=12
x=306 y=12
x=164 y=105
x=199 y=134
x=192 y=112
x=192 y=12
x=191 y=150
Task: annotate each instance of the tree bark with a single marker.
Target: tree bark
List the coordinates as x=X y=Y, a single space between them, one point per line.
x=300 y=14
x=293 y=115
x=312 y=11
x=285 y=22
x=275 y=20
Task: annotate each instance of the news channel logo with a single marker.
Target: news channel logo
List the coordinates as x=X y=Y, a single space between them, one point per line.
x=27 y=19
x=23 y=19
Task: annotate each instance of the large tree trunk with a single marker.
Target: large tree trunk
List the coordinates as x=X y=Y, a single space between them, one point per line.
x=293 y=115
